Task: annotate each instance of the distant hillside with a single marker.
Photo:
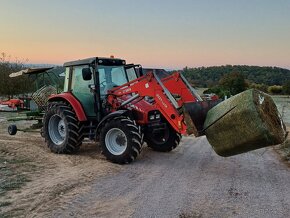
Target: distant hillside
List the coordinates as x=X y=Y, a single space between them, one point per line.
x=209 y=76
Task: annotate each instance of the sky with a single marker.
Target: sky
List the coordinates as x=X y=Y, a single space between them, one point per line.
x=155 y=33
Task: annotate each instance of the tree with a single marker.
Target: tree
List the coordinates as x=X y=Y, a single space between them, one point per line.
x=233 y=82
x=218 y=91
x=254 y=74
x=286 y=87
x=261 y=87
x=12 y=86
x=275 y=89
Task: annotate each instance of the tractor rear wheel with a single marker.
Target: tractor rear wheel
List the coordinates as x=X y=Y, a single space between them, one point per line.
x=61 y=129
x=120 y=139
x=164 y=140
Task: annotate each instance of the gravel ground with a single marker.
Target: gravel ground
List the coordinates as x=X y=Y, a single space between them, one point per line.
x=191 y=181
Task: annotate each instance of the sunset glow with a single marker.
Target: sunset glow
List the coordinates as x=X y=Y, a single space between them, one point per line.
x=169 y=34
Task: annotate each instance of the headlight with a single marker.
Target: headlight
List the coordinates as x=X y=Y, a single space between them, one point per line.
x=154 y=115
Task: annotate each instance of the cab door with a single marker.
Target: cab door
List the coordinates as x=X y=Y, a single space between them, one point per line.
x=80 y=89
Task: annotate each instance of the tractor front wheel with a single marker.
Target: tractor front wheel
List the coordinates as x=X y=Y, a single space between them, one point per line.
x=61 y=129
x=120 y=139
x=163 y=140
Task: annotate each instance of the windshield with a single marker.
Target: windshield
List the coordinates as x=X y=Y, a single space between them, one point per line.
x=113 y=76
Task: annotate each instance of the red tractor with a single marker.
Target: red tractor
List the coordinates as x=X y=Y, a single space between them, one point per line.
x=106 y=100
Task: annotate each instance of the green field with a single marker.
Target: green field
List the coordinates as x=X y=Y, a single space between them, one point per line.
x=283 y=105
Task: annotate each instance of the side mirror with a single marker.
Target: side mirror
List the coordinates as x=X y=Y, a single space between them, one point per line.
x=87 y=74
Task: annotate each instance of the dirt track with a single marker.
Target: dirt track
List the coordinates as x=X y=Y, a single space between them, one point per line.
x=52 y=177
x=191 y=181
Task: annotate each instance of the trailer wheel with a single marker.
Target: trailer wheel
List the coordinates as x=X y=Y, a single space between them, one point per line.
x=12 y=129
x=61 y=129
x=120 y=139
x=164 y=140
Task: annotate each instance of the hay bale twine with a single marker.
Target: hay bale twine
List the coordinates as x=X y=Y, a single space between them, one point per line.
x=244 y=122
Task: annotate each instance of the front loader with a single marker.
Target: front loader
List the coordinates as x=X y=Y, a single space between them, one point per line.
x=106 y=100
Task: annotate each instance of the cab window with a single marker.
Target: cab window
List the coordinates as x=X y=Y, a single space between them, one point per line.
x=131 y=74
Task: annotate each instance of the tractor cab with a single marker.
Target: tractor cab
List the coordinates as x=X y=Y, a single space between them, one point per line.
x=90 y=79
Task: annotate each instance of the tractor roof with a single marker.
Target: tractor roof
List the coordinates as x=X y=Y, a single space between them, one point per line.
x=99 y=60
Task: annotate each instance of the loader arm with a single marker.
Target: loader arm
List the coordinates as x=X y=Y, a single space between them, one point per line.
x=150 y=85
x=178 y=85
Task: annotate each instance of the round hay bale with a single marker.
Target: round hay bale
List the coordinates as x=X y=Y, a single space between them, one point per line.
x=244 y=122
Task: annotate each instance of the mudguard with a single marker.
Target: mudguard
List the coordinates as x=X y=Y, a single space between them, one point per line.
x=70 y=98
x=112 y=115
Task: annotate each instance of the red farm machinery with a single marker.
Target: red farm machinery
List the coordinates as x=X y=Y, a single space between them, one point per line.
x=121 y=106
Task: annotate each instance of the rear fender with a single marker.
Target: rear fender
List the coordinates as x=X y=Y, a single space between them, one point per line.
x=76 y=105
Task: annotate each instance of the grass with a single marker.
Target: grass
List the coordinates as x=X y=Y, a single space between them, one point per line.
x=284 y=150
x=5 y=203
x=283 y=105
x=12 y=214
x=7 y=115
x=14 y=174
